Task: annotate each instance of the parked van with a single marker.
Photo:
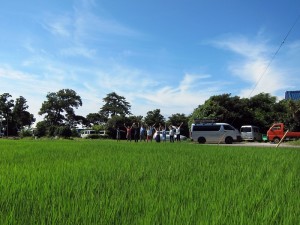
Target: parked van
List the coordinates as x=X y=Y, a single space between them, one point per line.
x=86 y=133
x=214 y=133
x=250 y=133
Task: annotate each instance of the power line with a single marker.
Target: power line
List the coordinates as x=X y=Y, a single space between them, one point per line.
x=274 y=55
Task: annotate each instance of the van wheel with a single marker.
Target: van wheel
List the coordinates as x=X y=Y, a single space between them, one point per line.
x=228 y=140
x=201 y=140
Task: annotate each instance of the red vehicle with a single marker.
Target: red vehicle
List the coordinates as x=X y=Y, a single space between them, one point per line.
x=277 y=131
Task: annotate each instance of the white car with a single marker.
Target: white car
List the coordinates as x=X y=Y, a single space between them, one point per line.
x=182 y=137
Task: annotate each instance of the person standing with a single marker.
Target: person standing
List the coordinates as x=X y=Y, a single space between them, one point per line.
x=157 y=132
x=142 y=133
x=136 y=132
x=118 y=137
x=177 y=132
x=164 y=133
x=128 y=132
x=150 y=132
x=171 y=133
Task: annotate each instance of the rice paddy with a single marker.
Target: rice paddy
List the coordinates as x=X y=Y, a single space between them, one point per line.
x=108 y=182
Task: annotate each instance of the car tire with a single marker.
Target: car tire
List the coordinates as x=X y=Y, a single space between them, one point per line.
x=228 y=140
x=276 y=140
x=201 y=140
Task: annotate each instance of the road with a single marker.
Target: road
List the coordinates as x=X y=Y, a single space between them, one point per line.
x=263 y=144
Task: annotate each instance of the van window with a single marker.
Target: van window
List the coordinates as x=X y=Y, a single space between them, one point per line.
x=206 y=128
x=228 y=127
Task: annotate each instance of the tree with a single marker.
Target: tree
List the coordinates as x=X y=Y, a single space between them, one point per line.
x=115 y=105
x=260 y=110
x=113 y=123
x=177 y=119
x=154 y=117
x=96 y=118
x=59 y=107
x=262 y=107
x=41 y=129
x=6 y=105
x=21 y=117
x=222 y=108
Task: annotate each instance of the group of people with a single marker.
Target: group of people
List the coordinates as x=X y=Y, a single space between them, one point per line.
x=145 y=132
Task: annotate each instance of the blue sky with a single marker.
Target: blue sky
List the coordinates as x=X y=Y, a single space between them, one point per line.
x=168 y=55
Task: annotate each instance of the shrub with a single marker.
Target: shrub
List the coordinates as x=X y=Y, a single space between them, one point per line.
x=25 y=133
x=64 y=131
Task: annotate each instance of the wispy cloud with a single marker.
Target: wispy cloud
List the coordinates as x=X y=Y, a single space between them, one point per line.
x=255 y=66
x=59 y=25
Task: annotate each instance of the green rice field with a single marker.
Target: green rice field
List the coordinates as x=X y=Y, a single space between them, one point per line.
x=109 y=182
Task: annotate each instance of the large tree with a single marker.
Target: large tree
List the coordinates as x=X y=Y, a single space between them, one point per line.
x=223 y=108
x=59 y=107
x=260 y=110
x=115 y=105
x=21 y=116
x=154 y=117
x=96 y=118
x=15 y=114
x=6 y=105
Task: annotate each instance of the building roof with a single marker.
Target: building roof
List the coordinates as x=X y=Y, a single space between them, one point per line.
x=293 y=95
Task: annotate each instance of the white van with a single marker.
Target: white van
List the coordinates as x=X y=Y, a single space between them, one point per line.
x=86 y=133
x=214 y=133
x=250 y=133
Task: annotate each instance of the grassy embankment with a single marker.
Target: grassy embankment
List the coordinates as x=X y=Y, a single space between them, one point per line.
x=105 y=182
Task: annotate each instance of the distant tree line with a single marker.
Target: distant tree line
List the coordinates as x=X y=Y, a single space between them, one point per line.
x=60 y=119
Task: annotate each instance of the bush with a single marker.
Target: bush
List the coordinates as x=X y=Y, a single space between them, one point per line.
x=26 y=133
x=75 y=133
x=93 y=136
x=64 y=132
x=41 y=129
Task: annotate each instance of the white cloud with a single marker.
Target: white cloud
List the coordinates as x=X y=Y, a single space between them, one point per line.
x=255 y=66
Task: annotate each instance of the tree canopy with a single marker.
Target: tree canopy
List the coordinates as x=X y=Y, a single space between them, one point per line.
x=261 y=110
x=15 y=114
x=115 y=105
x=59 y=107
x=154 y=117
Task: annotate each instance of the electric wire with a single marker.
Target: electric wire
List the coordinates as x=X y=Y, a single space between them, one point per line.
x=274 y=55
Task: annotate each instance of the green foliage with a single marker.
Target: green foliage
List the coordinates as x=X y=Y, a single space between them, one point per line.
x=115 y=105
x=109 y=182
x=75 y=133
x=177 y=119
x=26 y=133
x=14 y=115
x=261 y=110
x=52 y=131
x=64 y=131
x=21 y=116
x=58 y=108
x=93 y=136
x=41 y=129
x=154 y=117
x=99 y=127
x=96 y=118
x=113 y=123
